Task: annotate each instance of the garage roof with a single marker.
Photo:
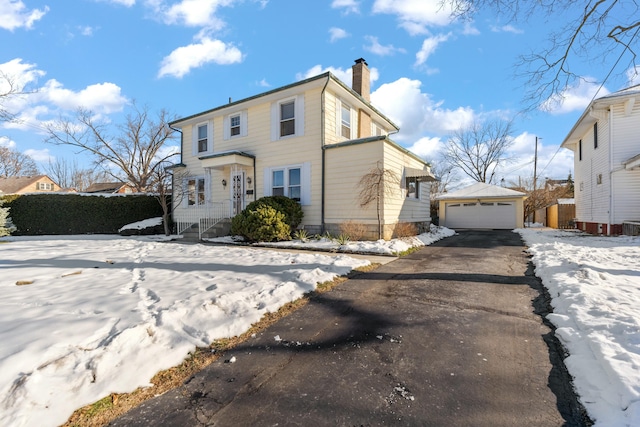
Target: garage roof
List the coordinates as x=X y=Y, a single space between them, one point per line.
x=483 y=191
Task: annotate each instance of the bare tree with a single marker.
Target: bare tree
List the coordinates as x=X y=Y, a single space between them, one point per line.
x=539 y=198
x=69 y=175
x=446 y=177
x=9 y=87
x=595 y=29
x=374 y=186
x=15 y=163
x=479 y=149
x=134 y=153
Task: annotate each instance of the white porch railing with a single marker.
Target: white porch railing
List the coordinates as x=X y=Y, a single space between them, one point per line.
x=205 y=216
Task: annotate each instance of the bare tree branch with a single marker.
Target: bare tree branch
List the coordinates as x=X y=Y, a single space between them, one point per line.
x=479 y=149
x=374 y=186
x=135 y=153
x=14 y=163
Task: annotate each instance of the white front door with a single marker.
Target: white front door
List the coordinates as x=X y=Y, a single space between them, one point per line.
x=237 y=192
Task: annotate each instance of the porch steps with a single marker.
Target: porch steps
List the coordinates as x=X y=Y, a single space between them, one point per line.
x=221 y=228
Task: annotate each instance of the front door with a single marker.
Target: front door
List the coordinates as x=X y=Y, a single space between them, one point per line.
x=237 y=192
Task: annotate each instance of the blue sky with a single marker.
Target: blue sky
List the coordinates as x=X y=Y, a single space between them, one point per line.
x=431 y=74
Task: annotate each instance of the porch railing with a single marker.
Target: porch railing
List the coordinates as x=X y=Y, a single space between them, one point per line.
x=205 y=216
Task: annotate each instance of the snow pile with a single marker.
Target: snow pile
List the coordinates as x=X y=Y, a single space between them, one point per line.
x=140 y=225
x=594 y=283
x=383 y=247
x=82 y=317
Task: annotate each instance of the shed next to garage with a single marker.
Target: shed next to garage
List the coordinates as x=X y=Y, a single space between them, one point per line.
x=482 y=206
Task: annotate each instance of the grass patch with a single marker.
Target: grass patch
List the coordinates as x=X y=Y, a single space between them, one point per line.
x=111 y=407
x=408 y=251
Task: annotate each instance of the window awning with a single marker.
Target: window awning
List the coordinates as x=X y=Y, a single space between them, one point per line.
x=632 y=163
x=421 y=174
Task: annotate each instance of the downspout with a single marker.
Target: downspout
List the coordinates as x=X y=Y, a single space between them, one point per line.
x=611 y=206
x=322 y=142
x=255 y=182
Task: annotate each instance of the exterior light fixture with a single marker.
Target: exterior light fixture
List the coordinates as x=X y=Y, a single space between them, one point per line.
x=224 y=182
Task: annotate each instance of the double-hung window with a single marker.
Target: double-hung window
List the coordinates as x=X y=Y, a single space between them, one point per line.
x=202 y=138
x=287 y=182
x=45 y=186
x=234 y=125
x=288 y=118
x=345 y=121
x=196 y=194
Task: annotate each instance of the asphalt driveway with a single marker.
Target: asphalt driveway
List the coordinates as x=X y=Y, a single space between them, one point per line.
x=452 y=335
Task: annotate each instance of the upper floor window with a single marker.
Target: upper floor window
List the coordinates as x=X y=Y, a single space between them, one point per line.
x=234 y=125
x=287 y=118
x=595 y=135
x=203 y=138
x=45 y=186
x=580 y=150
x=376 y=129
x=345 y=121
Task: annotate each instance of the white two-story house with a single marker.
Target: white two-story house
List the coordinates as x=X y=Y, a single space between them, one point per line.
x=312 y=141
x=606 y=146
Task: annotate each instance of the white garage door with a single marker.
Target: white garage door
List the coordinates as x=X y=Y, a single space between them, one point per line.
x=481 y=215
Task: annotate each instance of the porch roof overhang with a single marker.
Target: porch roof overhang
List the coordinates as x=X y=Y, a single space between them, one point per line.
x=421 y=174
x=632 y=163
x=227 y=158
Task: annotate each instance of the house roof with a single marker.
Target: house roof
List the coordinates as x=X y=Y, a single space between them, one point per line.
x=13 y=184
x=104 y=187
x=589 y=116
x=481 y=190
x=319 y=78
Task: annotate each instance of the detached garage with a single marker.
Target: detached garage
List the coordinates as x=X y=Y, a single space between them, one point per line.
x=482 y=206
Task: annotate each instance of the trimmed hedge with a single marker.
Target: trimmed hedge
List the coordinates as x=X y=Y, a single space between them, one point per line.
x=268 y=219
x=290 y=208
x=41 y=214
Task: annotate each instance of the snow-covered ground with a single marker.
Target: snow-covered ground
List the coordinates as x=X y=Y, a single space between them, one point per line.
x=85 y=316
x=594 y=283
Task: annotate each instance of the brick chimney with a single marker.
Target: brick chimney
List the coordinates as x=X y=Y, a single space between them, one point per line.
x=361 y=82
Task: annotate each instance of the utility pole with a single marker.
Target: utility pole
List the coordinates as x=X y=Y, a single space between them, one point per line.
x=535 y=166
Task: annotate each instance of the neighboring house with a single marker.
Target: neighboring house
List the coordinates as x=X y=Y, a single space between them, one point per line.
x=311 y=141
x=606 y=152
x=110 y=188
x=482 y=206
x=28 y=184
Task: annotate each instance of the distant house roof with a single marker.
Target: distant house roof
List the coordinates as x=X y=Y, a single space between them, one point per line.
x=104 y=187
x=16 y=184
x=482 y=191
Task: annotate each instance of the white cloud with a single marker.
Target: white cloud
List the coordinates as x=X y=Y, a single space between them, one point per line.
x=191 y=13
x=87 y=30
x=506 y=29
x=429 y=45
x=127 y=3
x=349 y=6
x=6 y=142
x=13 y=14
x=633 y=76
x=183 y=59
x=415 y=112
x=574 y=98
x=40 y=156
x=376 y=48
x=337 y=34
x=264 y=83
x=344 y=75
x=427 y=148
x=470 y=29
x=416 y=15
x=103 y=98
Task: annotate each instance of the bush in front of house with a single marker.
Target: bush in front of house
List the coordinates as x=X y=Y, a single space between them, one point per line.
x=261 y=224
x=290 y=208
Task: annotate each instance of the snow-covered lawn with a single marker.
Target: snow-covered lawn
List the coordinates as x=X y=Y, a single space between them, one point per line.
x=82 y=317
x=594 y=283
